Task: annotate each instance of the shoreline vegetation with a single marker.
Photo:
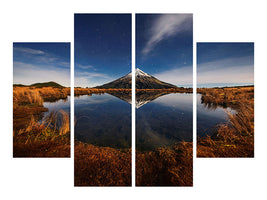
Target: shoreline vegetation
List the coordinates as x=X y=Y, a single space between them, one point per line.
x=105 y=166
x=33 y=134
x=234 y=138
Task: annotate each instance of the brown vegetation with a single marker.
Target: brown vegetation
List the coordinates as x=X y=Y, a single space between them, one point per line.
x=90 y=91
x=171 y=166
x=32 y=138
x=236 y=137
x=169 y=90
x=105 y=166
x=101 y=166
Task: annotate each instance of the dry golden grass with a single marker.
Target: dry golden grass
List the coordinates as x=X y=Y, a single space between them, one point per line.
x=236 y=137
x=166 y=166
x=33 y=95
x=226 y=96
x=101 y=166
x=31 y=138
x=50 y=135
x=170 y=90
x=104 y=166
x=53 y=94
x=25 y=96
x=90 y=91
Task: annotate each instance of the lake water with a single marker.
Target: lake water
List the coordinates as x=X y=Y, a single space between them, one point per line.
x=62 y=104
x=161 y=120
x=103 y=120
x=209 y=116
x=164 y=121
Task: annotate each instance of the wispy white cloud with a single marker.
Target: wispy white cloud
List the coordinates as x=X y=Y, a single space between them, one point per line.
x=29 y=50
x=85 y=66
x=229 y=70
x=34 y=56
x=180 y=76
x=91 y=74
x=25 y=73
x=86 y=82
x=91 y=79
x=64 y=64
x=165 y=26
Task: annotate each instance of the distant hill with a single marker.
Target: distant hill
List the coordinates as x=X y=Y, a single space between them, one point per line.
x=19 y=85
x=39 y=85
x=142 y=79
x=47 y=84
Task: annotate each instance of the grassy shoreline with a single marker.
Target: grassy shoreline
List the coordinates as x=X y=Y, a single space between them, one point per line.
x=105 y=166
x=31 y=138
x=234 y=138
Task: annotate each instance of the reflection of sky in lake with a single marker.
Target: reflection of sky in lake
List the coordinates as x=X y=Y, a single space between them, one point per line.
x=103 y=120
x=62 y=104
x=177 y=100
x=164 y=121
x=209 y=117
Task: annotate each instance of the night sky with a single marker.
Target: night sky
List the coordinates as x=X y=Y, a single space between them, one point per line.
x=225 y=64
x=102 y=48
x=41 y=62
x=164 y=47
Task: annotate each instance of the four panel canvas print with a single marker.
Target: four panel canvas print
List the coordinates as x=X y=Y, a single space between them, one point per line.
x=163 y=100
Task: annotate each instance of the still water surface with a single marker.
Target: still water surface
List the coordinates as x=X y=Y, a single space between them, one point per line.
x=105 y=120
x=62 y=104
x=164 y=121
x=209 y=116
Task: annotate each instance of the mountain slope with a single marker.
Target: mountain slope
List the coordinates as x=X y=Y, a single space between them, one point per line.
x=146 y=81
x=123 y=82
x=142 y=81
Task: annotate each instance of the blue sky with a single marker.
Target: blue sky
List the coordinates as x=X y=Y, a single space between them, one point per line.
x=225 y=64
x=41 y=62
x=164 y=47
x=102 y=49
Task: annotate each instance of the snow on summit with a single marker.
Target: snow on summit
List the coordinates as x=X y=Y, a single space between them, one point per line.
x=139 y=72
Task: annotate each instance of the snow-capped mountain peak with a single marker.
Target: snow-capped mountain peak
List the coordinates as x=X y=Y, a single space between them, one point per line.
x=142 y=81
x=139 y=72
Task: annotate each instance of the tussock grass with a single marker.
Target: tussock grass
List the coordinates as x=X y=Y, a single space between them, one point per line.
x=36 y=96
x=54 y=125
x=32 y=138
x=25 y=96
x=52 y=132
x=234 y=138
x=90 y=91
x=105 y=166
x=101 y=166
x=53 y=94
x=165 y=166
x=169 y=90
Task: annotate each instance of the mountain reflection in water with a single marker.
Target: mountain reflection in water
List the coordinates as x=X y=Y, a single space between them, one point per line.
x=162 y=119
x=141 y=97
